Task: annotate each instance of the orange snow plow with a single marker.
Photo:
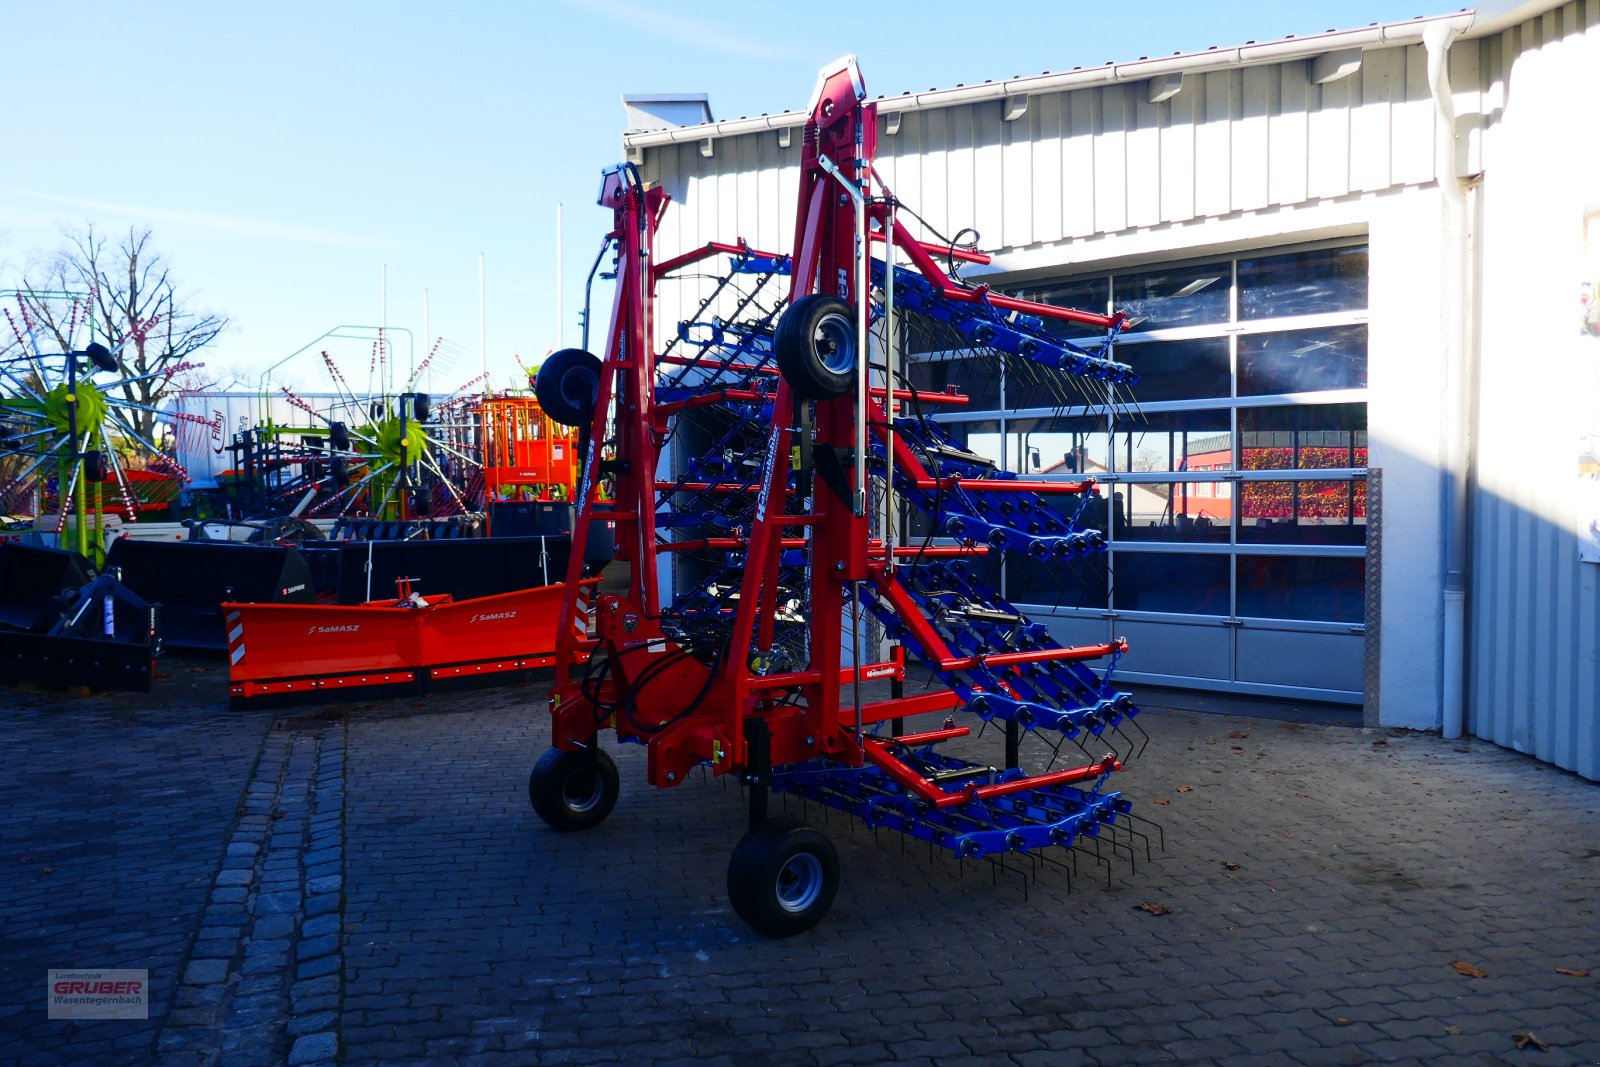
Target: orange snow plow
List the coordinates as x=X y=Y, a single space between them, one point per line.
x=397 y=645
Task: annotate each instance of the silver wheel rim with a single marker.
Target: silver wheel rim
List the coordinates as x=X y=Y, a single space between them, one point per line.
x=799 y=882
x=835 y=341
x=582 y=791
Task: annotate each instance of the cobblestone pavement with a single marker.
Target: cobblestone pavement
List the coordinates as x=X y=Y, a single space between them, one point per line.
x=1322 y=890
x=117 y=812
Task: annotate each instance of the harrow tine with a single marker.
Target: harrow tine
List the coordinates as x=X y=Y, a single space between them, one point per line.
x=1116 y=846
x=1143 y=734
x=1095 y=855
x=1067 y=869
x=1131 y=832
x=1161 y=833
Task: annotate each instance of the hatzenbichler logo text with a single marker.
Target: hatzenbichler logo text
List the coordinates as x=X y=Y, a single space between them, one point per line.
x=98 y=994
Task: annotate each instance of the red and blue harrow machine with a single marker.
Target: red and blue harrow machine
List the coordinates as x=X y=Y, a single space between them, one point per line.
x=797 y=528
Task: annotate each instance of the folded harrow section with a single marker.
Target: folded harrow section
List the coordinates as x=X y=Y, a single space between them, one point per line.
x=763 y=471
x=976 y=826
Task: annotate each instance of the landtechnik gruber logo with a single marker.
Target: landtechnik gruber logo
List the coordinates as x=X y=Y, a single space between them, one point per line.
x=98 y=993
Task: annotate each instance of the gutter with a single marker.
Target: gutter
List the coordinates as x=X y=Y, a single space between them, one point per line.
x=1460 y=384
x=1380 y=36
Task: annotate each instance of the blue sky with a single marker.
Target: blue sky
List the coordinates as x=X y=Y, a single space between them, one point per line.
x=287 y=154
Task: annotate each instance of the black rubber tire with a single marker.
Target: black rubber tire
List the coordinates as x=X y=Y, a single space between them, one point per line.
x=94 y=466
x=815 y=346
x=339 y=471
x=782 y=877
x=573 y=789
x=421 y=406
x=100 y=356
x=568 y=386
x=339 y=436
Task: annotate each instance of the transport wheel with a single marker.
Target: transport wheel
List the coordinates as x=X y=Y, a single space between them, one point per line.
x=568 y=386
x=101 y=356
x=815 y=345
x=782 y=877
x=573 y=789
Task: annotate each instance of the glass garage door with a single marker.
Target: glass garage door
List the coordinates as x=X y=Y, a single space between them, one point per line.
x=1234 y=494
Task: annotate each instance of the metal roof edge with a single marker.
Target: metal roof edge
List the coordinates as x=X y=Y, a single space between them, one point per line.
x=1377 y=35
x=1493 y=16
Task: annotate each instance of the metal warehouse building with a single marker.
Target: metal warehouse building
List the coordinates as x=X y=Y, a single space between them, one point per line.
x=1363 y=469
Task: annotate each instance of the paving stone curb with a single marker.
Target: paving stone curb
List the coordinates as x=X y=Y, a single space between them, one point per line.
x=263 y=984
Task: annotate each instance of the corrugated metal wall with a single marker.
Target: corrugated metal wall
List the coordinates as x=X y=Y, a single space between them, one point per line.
x=1096 y=161
x=1535 y=609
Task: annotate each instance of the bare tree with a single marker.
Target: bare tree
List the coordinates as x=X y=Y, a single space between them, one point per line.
x=134 y=308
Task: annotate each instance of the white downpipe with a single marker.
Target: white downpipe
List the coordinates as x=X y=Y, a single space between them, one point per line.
x=1458 y=384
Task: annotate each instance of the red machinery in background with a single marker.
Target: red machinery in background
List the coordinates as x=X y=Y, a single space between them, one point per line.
x=525 y=450
x=404 y=643
x=802 y=447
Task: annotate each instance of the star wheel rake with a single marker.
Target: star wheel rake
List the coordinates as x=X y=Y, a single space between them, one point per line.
x=71 y=447
x=398 y=457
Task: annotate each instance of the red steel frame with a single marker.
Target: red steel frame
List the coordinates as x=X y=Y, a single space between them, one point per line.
x=703 y=711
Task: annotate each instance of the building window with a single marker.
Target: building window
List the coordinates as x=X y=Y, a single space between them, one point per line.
x=1247 y=448
x=1303 y=283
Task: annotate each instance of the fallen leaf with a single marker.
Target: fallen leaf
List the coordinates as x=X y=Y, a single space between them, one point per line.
x=1163 y=803
x=1378 y=742
x=1570 y=973
x=1341 y=1021
x=1291 y=726
x=1231 y=928
x=49 y=870
x=1186 y=789
x=1524 y=1038
x=1452 y=1030
x=1230 y=865
x=1463 y=967
x=1239 y=733
x=1153 y=908
x=1211 y=740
